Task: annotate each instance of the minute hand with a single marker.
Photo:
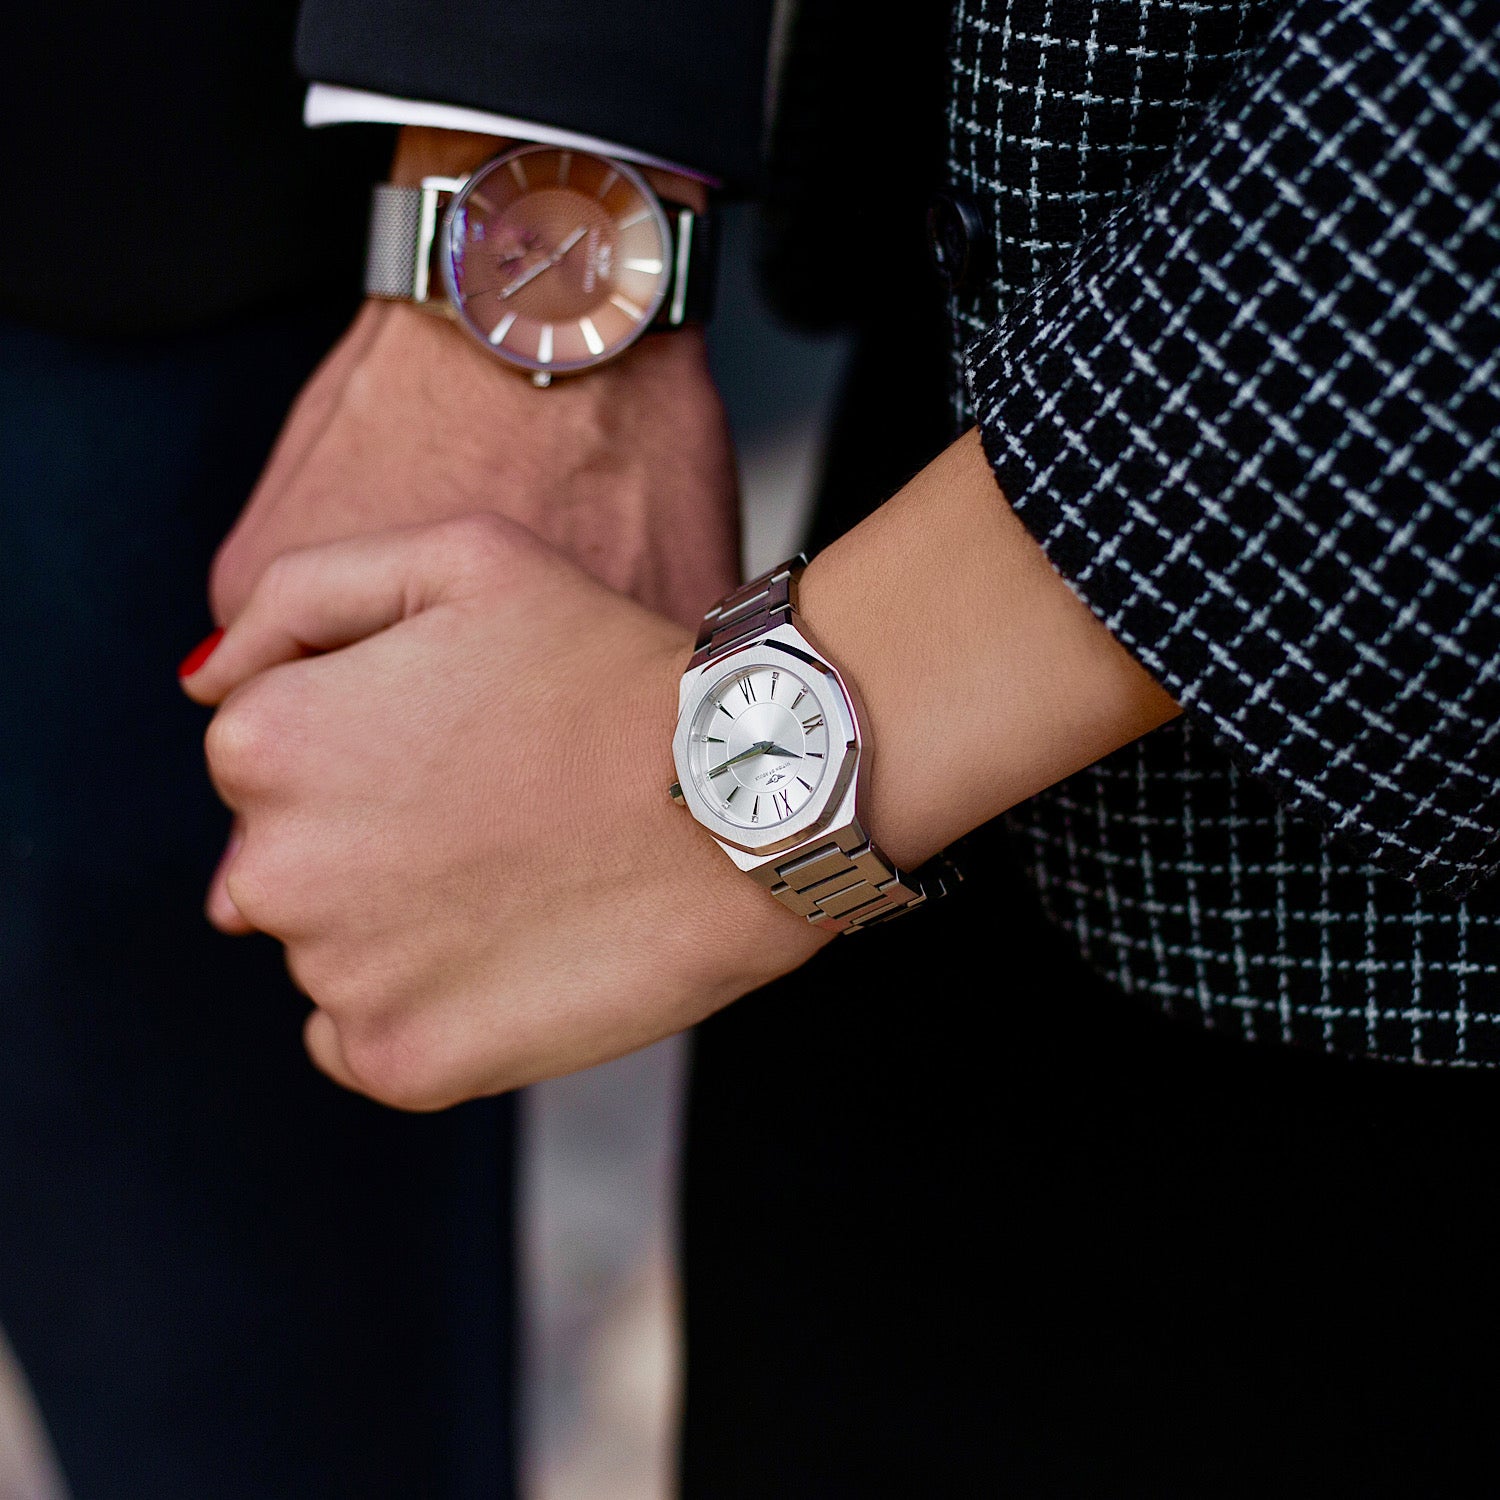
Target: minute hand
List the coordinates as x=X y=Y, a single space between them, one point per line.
x=545 y=265
x=759 y=748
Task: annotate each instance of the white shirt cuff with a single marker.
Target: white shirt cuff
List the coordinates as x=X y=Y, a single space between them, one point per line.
x=333 y=104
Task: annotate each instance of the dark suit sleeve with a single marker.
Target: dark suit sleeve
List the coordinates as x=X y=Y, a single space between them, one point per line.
x=1254 y=424
x=683 y=81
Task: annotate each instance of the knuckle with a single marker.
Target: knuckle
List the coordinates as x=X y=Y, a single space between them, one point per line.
x=251 y=895
x=482 y=543
x=233 y=743
x=249 y=742
x=391 y=1063
x=268 y=880
x=277 y=581
x=315 y=978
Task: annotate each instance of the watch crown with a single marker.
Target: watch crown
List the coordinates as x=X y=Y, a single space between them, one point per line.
x=675 y=793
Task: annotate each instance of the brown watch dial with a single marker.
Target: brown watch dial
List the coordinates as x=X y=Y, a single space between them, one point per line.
x=556 y=260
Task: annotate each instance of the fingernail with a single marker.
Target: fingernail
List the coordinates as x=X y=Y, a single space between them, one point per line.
x=200 y=653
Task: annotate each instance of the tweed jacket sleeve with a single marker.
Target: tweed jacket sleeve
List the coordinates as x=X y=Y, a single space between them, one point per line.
x=1253 y=422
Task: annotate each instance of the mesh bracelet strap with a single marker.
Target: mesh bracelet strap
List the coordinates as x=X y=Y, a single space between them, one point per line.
x=403 y=226
x=842 y=882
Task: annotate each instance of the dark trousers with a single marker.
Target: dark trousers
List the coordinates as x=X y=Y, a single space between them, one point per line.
x=963 y=1221
x=224 y=1276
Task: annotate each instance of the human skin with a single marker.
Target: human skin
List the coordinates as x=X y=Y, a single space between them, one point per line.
x=629 y=470
x=449 y=749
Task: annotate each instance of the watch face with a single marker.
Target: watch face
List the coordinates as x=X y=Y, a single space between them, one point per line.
x=759 y=750
x=557 y=260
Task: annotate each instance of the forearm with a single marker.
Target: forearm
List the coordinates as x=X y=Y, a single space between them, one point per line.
x=422 y=152
x=983 y=676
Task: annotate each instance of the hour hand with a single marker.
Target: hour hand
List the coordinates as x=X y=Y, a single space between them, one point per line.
x=773 y=749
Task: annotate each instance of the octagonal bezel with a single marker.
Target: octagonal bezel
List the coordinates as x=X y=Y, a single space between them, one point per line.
x=782 y=647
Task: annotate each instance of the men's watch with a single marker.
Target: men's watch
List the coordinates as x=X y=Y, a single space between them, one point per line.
x=554 y=260
x=770 y=759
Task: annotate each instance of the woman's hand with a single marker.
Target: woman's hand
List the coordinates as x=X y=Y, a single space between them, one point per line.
x=449 y=750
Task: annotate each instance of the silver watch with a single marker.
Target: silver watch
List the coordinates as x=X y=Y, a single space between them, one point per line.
x=554 y=261
x=770 y=759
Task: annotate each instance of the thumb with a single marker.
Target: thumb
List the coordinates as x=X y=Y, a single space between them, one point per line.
x=321 y=598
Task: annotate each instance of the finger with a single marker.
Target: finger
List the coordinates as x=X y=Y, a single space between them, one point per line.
x=219 y=905
x=320 y=598
x=321 y=1038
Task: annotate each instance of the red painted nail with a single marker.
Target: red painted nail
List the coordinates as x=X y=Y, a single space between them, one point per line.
x=200 y=654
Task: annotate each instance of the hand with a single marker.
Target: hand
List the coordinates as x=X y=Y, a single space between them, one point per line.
x=457 y=819
x=628 y=469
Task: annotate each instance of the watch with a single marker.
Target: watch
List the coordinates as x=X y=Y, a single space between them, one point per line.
x=553 y=260
x=770 y=758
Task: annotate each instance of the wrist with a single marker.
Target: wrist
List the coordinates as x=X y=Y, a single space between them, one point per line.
x=423 y=151
x=983 y=677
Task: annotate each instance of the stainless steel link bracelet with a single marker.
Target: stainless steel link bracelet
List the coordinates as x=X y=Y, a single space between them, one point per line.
x=846 y=890
x=754 y=608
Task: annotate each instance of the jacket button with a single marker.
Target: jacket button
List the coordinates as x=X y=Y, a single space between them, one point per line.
x=957 y=238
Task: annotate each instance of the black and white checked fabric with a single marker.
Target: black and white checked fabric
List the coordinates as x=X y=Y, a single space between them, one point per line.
x=1237 y=373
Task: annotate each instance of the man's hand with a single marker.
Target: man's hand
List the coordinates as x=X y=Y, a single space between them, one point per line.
x=456 y=818
x=628 y=469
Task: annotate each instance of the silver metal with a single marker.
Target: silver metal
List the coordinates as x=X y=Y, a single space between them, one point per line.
x=821 y=863
x=678 y=310
x=832 y=803
x=391 y=251
x=404 y=226
x=754 y=608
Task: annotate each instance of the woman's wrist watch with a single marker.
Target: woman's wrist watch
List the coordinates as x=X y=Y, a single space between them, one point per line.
x=771 y=760
x=553 y=260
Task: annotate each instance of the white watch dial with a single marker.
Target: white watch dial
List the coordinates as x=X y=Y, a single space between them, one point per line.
x=758 y=747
